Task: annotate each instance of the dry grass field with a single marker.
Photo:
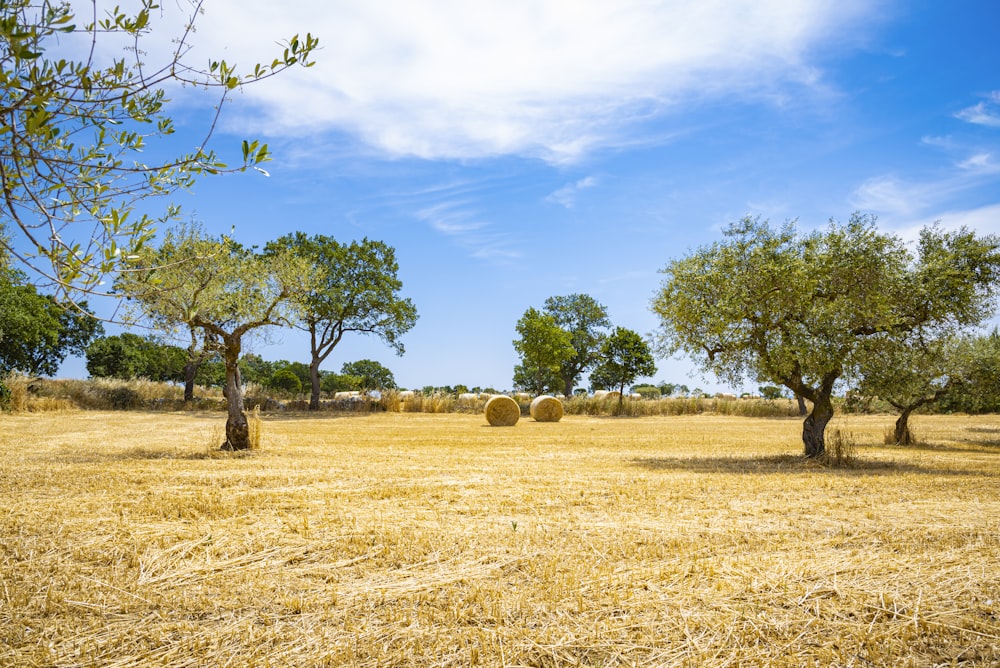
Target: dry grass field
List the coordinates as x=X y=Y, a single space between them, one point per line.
x=403 y=539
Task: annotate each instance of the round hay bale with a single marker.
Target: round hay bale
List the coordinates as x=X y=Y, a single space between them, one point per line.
x=546 y=409
x=502 y=411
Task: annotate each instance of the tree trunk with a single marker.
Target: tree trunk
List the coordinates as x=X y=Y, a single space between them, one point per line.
x=802 y=404
x=568 y=387
x=814 y=426
x=190 y=371
x=901 y=434
x=237 y=425
x=315 y=382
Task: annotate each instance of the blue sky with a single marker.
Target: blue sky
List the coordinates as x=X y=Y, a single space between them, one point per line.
x=512 y=151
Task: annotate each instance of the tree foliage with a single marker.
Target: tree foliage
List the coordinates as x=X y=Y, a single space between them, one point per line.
x=586 y=321
x=624 y=356
x=76 y=132
x=370 y=375
x=806 y=310
x=221 y=288
x=544 y=347
x=129 y=356
x=355 y=288
x=37 y=332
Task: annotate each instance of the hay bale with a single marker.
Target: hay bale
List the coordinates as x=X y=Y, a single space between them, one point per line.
x=546 y=409
x=502 y=411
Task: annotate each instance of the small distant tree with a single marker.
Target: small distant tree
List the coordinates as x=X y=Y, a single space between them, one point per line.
x=543 y=347
x=770 y=392
x=371 y=375
x=666 y=389
x=647 y=391
x=286 y=380
x=625 y=356
x=332 y=383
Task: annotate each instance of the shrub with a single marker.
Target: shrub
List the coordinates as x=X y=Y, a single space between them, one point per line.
x=287 y=381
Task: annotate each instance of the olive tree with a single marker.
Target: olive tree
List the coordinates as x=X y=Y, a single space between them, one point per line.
x=805 y=310
x=77 y=131
x=355 y=288
x=222 y=288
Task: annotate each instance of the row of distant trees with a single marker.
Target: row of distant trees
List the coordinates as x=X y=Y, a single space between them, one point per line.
x=129 y=356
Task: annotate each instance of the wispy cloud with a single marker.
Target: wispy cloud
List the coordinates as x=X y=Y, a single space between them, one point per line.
x=984 y=113
x=566 y=196
x=554 y=80
x=460 y=221
x=451 y=218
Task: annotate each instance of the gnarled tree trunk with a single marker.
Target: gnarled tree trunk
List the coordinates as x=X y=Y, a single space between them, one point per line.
x=901 y=434
x=237 y=425
x=814 y=426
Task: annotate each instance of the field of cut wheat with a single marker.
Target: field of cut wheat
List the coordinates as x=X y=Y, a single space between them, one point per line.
x=413 y=539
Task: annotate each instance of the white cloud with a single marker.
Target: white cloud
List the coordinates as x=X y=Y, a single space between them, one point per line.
x=984 y=220
x=450 y=218
x=985 y=113
x=566 y=196
x=889 y=195
x=546 y=78
x=980 y=163
x=459 y=221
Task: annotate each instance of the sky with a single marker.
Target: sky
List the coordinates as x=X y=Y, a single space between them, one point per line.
x=512 y=151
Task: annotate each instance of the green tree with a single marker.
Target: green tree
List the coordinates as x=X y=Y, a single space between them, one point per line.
x=37 y=332
x=286 y=380
x=371 y=375
x=222 y=288
x=979 y=359
x=544 y=347
x=355 y=288
x=804 y=311
x=77 y=133
x=335 y=382
x=585 y=319
x=624 y=356
x=300 y=369
x=770 y=392
x=131 y=356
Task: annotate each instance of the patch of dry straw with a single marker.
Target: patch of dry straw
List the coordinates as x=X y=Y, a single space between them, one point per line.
x=546 y=408
x=502 y=411
x=411 y=539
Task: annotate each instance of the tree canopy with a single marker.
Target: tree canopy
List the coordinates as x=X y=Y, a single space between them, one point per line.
x=371 y=375
x=805 y=310
x=354 y=288
x=37 y=332
x=586 y=321
x=624 y=356
x=77 y=133
x=544 y=347
x=222 y=288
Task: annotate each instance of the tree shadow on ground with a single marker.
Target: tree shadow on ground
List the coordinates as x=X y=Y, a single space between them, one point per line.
x=792 y=464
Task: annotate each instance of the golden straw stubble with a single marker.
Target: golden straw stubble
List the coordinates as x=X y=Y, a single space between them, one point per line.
x=546 y=409
x=502 y=411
